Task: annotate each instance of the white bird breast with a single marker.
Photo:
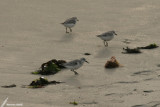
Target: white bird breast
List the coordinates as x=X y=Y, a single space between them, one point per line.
x=107 y=38
x=69 y=25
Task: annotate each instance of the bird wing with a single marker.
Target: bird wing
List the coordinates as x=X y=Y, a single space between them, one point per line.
x=107 y=34
x=70 y=21
x=71 y=63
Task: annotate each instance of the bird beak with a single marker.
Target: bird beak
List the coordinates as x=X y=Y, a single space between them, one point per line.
x=115 y=33
x=77 y=20
x=87 y=61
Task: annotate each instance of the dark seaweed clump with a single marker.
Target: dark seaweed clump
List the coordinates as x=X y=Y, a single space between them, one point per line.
x=151 y=46
x=129 y=50
x=41 y=82
x=74 y=103
x=59 y=63
x=9 y=86
x=87 y=54
x=112 y=63
x=51 y=67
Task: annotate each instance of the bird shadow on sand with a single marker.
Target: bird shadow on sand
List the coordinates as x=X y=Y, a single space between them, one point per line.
x=104 y=52
x=73 y=81
x=110 y=71
x=68 y=37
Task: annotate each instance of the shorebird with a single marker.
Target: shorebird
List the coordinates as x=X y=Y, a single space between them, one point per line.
x=107 y=36
x=75 y=64
x=69 y=23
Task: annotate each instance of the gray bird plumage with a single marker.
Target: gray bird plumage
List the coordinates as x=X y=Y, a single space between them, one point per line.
x=75 y=64
x=69 y=23
x=107 y=36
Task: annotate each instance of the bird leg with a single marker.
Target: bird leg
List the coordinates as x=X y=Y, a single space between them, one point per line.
x=66 y=30
x=74 y=72
x=70 y=29
x=105 y=43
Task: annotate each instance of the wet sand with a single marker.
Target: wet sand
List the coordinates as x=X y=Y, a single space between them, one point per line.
x=31 y=34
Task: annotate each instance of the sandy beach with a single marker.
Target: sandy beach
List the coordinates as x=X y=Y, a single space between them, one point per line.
x=31 y=34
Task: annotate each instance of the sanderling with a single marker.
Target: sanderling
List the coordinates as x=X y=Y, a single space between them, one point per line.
x=107 y=36
x=69 y=23
x=75 y=64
